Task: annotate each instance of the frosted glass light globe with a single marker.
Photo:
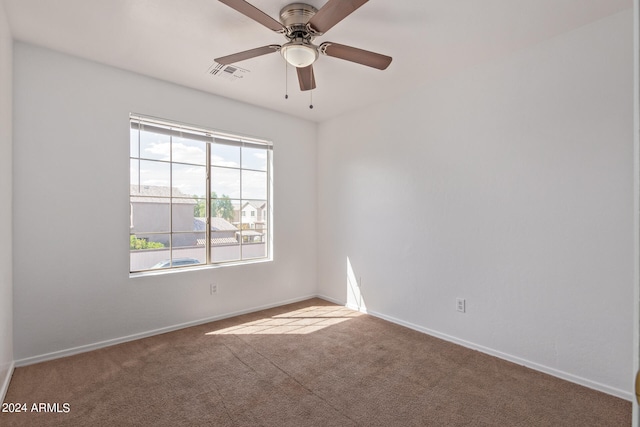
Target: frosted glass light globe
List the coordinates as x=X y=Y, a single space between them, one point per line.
x=299 y=55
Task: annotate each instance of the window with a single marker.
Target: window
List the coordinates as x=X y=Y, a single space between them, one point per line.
x=188 y=191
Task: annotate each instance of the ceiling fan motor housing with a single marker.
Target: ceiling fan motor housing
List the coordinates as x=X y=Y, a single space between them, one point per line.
x=299 y=51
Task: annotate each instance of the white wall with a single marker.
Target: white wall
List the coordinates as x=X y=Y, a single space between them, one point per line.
x=6 y=285
x=71 y=173
x=509 y=185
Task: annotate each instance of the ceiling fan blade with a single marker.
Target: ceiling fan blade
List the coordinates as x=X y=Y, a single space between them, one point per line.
x=254 y=13
x=353 y=54
x=247 y=54
x=333 y=12
x=306 y=78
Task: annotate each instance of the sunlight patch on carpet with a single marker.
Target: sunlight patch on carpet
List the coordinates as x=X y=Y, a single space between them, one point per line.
x=304 y=321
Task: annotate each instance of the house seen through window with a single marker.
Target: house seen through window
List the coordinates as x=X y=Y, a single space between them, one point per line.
x=190 y=190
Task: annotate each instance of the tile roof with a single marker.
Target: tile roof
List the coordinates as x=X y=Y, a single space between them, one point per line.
x=218 y=241
x=217 y=224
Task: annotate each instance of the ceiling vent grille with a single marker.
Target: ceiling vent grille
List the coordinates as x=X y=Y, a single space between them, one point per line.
x=228 y=72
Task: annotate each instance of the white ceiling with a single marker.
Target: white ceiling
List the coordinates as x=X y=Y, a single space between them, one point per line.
x=177 y=40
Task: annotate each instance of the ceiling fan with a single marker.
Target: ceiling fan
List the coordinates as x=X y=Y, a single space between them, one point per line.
x=301 y=23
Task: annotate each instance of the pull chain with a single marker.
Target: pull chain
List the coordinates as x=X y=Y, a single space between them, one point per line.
x=286 y=80
x=311 y=99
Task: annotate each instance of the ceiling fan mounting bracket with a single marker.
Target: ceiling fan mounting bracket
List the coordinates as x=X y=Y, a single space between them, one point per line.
x=295 y=17
x=323 y=48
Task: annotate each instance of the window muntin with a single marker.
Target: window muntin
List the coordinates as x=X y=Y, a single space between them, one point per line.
x=190 y=191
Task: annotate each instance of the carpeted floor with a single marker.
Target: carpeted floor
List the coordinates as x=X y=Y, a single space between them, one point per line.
x=306 y=364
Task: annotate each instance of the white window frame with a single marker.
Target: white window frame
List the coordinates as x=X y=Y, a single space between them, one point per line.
x=211 y=137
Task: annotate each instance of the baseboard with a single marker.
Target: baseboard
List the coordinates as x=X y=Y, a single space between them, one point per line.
x=514 y=359
x=5 y=382
x=335 y=301
x=107 y=343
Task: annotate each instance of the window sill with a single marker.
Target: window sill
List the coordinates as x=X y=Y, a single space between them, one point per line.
x=162 y=272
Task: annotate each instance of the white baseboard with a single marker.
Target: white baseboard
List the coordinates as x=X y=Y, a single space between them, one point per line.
x=514 y=359
x=107 y=343
x=335 y=301
x=5 y=382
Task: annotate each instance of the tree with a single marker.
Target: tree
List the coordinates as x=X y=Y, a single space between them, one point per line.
x=225 y=208
x=200 y=209
x=221 y=207
x=138 y=244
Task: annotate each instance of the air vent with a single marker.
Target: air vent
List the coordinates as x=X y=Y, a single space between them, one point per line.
x=228 y=72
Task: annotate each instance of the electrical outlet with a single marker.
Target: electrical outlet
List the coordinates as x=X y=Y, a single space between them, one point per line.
x=213 y=288
x=461 y=305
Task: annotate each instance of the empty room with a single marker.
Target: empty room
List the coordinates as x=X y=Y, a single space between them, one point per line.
x=339 y=212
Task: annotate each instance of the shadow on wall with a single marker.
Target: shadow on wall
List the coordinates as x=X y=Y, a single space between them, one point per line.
x=355 y=300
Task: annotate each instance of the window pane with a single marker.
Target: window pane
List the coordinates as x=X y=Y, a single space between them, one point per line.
x=133 y=172
x=224 y=252
x=224 y=208
x=188 y=244
x=254 y=185
x=183 y=216
x=224 y=240
x=252 y=214
x=224 y=230
x=236 y=212
x=154 y=146
x=152 y=256
x=259 y=217
x=133 y=143
x=199 y=214
x=150 y=214
x=254 y=243
x=225 y=155
x=155 y=174
x=225 y=182
x=186 y=150
x=254 y=158
x=189 y=181
x=188 y=256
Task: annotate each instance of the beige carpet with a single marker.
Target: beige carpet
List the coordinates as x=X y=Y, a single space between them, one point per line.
x=306 y=364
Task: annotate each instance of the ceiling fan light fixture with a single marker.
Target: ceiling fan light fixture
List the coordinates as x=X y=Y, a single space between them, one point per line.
x=299 y=54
